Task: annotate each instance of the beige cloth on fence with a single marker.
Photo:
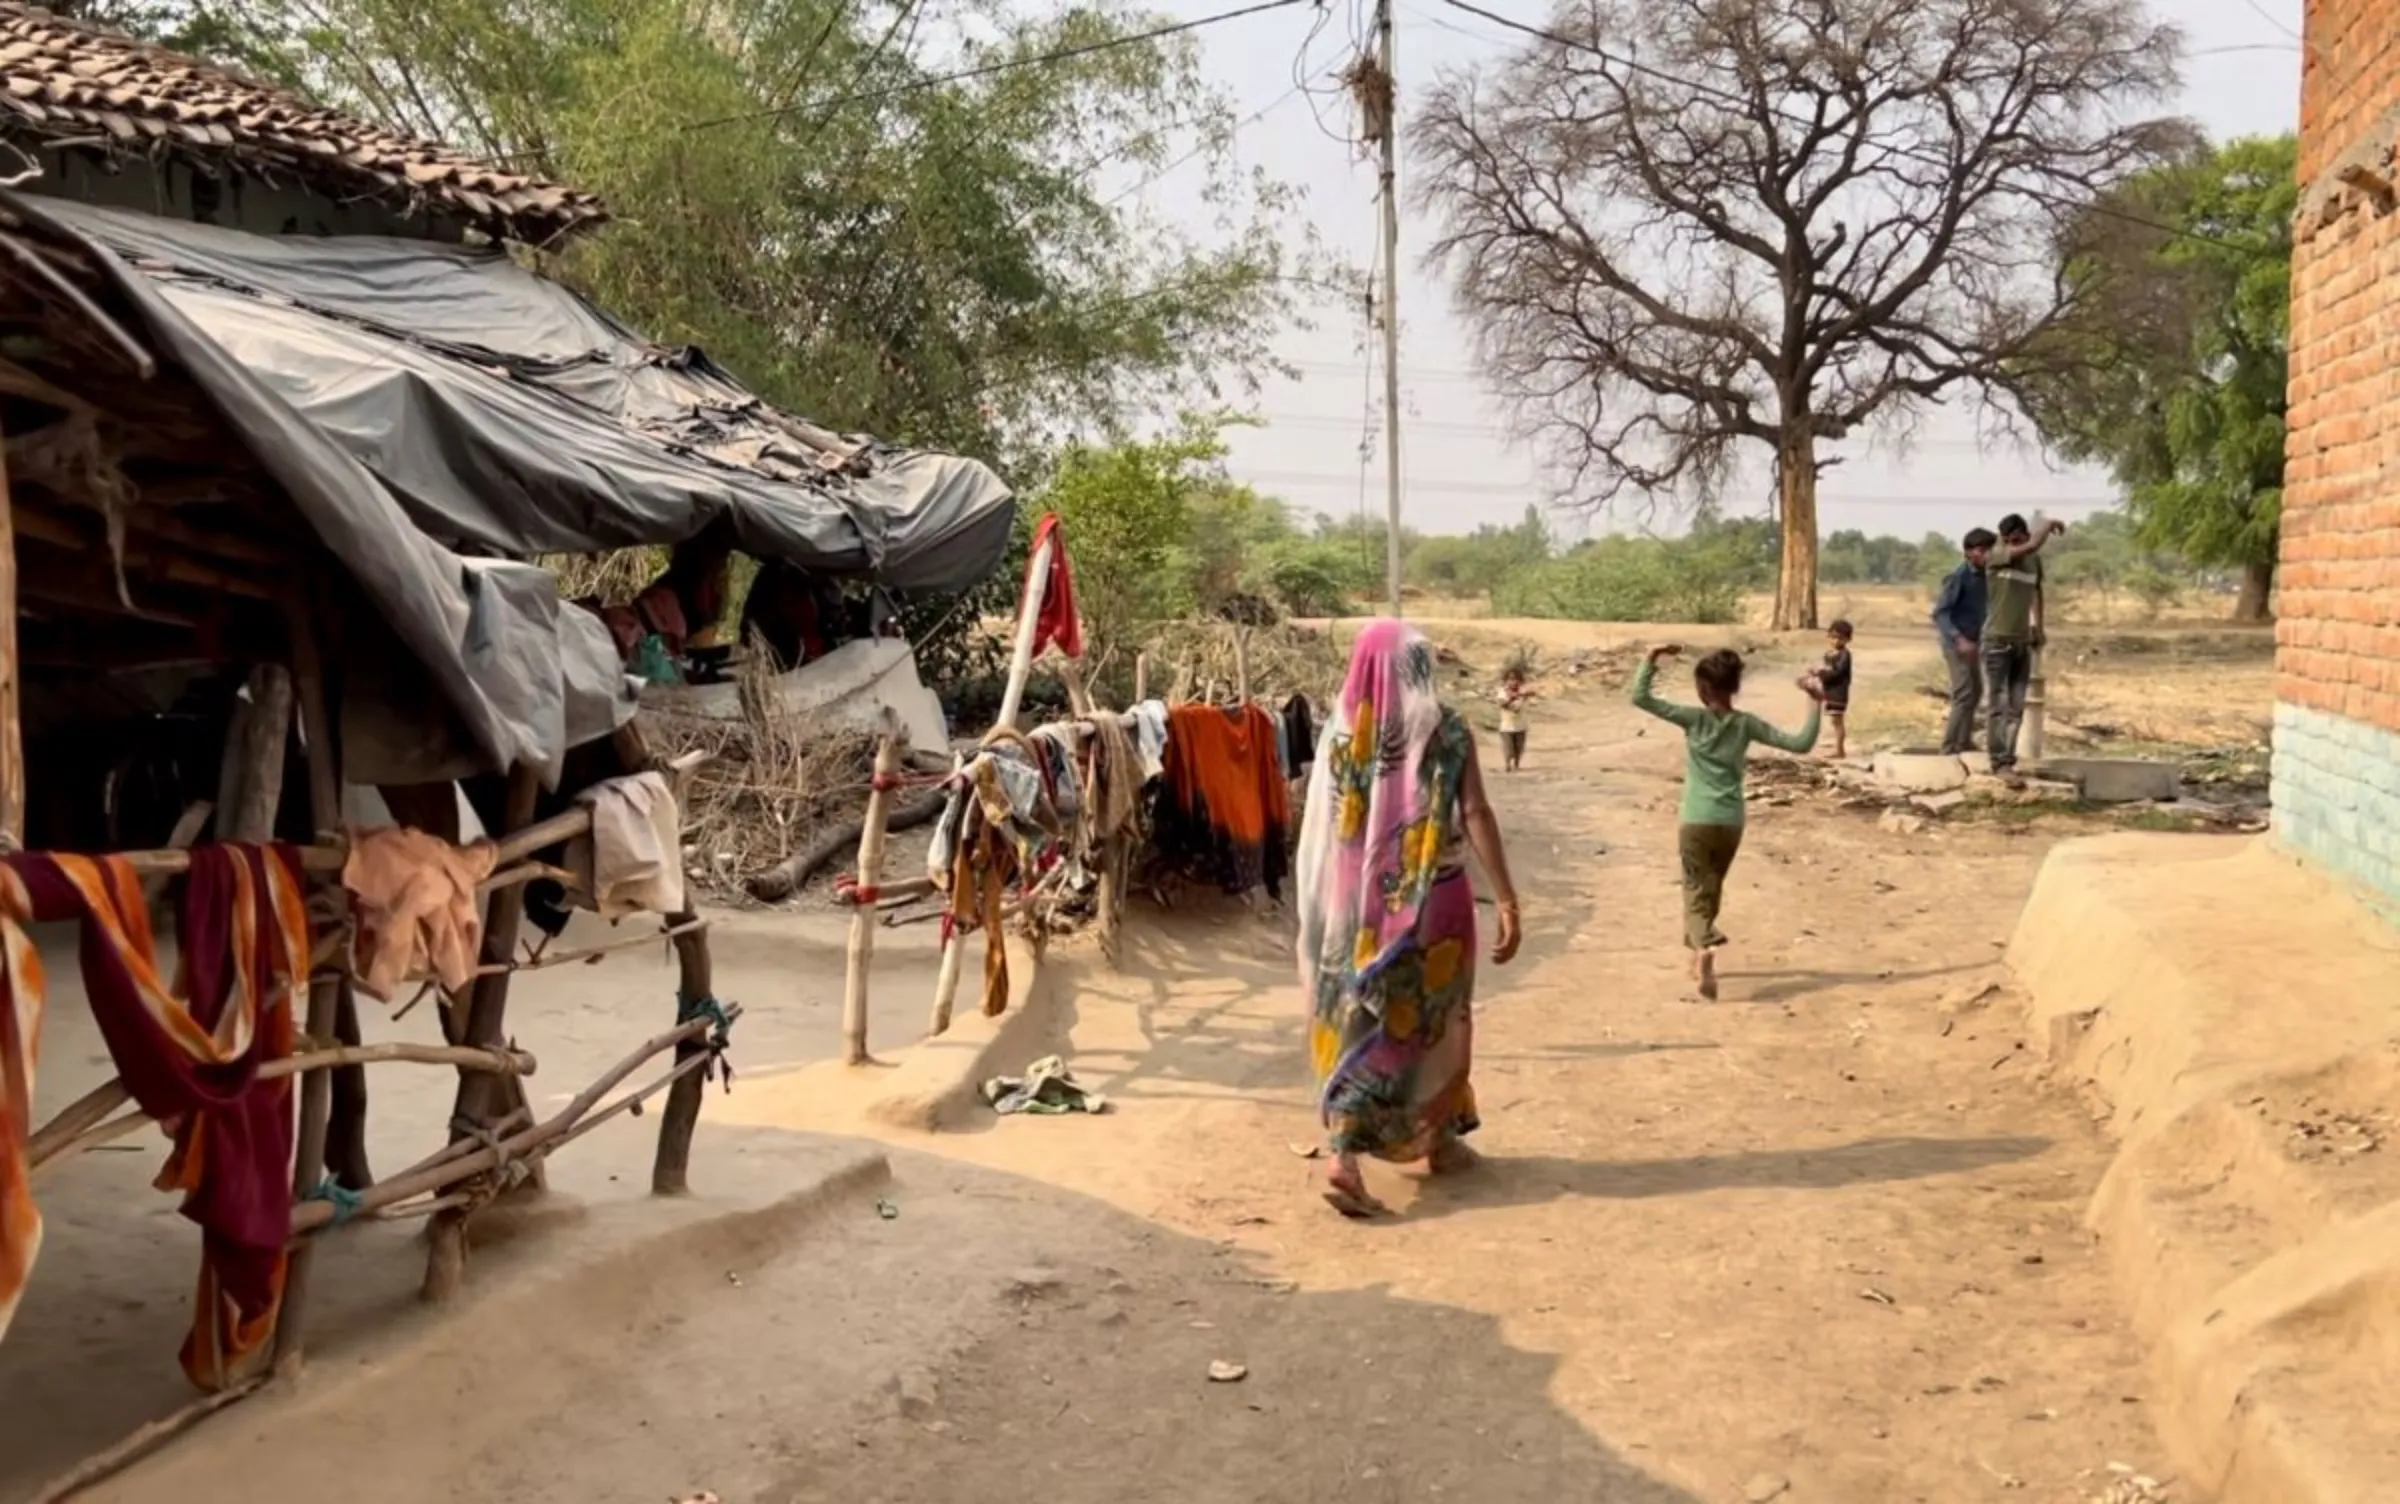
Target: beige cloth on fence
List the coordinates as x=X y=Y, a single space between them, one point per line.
x=632 y=862
x=413 y=895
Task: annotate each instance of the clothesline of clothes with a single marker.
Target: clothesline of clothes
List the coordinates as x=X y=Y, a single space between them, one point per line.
x=188 y=1045
x=1022 y=805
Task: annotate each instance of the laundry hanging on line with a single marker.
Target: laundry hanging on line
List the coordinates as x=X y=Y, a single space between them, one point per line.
x=1223 y=803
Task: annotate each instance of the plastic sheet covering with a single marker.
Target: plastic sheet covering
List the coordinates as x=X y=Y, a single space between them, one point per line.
x=477 y=659
x=510 y=416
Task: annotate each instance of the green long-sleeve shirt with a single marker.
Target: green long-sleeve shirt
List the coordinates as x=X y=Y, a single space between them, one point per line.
x=1716 y=746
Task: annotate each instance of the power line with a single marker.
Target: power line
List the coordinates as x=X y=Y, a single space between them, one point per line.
x=1914 y=154
x=1004 y=65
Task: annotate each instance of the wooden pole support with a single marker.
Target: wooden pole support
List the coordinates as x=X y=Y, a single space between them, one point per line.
x=485 y=1026
x=945 y=982
x=324 y=993
x=1141 y=677
x=1029 y=615
x=12 y=733
x=862 y=919
x=1241 y=665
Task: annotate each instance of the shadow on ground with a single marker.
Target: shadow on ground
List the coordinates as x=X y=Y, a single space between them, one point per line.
x=1528 y=1179
x=949 y=1335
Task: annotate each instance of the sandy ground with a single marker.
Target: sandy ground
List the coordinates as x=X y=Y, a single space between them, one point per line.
x=1820 y=1240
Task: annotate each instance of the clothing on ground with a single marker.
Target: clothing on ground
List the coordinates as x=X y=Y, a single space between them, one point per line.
x=192 y=1060
x=1966 y=698
x=2008 y=678
x=1387 y=917
x=632 y=861
x=2016 y=581
x=1223 y=806
x=412 y=897
x=1836 y=679
x=1707 y=853
x=1716 y=747
x=1047 y=1089
x=1959 y=607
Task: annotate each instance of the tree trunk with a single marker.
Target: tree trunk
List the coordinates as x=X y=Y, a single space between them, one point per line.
x=1796 y=475
x=2250 y=607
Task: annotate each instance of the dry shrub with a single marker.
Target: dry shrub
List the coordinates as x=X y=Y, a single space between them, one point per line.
x=1283 y=659
x=773 y=778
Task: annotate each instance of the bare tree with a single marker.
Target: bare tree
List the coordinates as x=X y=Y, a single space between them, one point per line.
x=1680 y=225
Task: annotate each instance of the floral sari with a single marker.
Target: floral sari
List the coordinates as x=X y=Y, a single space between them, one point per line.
x=1387 y=918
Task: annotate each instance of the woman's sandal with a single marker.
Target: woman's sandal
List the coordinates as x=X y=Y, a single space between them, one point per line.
x=1354 y=1202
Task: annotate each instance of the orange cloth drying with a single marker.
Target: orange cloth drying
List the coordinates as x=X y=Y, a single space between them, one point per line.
x=1223 y=806
x=414 y=895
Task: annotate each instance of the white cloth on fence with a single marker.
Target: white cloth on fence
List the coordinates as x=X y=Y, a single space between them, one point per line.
x=632 y=862
x=1150 y=736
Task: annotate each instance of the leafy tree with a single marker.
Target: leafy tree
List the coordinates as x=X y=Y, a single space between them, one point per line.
x=2172 y=372
x=1683 y=227
x=894 y=220
x=1129 y=510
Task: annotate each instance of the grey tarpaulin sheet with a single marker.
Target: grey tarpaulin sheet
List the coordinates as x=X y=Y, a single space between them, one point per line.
x=523 y=675
x=510 y=416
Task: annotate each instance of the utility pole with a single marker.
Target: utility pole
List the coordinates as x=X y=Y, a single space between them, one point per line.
x=1385 y=31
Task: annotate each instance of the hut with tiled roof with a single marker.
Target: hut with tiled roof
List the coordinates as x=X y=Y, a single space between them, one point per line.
x=113 y=121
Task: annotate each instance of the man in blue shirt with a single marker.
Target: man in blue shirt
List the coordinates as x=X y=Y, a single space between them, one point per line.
x=1958 y=620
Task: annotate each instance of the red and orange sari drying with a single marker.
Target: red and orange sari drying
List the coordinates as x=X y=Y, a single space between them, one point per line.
x=189 y=1056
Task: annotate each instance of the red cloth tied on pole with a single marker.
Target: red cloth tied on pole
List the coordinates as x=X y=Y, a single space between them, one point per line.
x=188 y=1055
x=1057 y=625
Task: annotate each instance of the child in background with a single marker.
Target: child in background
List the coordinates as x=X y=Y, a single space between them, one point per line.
x=1513 y=695
x=1716 y=742
x=1835 y=677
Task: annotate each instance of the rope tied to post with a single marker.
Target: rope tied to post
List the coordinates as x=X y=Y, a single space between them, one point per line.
x=717 y=1040
x=507 y=1170
x=346 y=1203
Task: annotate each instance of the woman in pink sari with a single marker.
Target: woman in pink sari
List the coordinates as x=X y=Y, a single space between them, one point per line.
x=1387 y=917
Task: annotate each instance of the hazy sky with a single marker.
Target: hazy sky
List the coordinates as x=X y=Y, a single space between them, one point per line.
x=1458 y=467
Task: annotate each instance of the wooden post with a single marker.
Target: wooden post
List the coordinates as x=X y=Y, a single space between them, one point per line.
x=1029 y=614
x=485 y=1025
x=324 y=992
x=1241 y=665
x=12 y=733
x=670 y=1173
x=250 y=784
x=2037 y=710
x=945 y=982
x=1115 y=855
x=1141 y=677
x=862 y=918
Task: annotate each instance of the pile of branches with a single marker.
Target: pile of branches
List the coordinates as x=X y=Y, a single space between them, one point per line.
x=1194 y=656
x=776 y=782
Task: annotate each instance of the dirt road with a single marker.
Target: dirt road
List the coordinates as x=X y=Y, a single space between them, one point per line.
x=1819 y=1240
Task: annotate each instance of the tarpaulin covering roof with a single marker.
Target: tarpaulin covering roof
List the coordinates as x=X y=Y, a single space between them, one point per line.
x=452 y=664
x=78 y=86
x=510 y=416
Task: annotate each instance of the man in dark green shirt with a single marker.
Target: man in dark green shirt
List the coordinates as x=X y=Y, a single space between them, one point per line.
x=2012 y=629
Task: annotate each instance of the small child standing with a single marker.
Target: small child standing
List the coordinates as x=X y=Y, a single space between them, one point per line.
x=1513 y=695
x=1716 y=742
x=1835 y=677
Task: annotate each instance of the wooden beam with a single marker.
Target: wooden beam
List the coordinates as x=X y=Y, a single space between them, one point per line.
x=12 y=733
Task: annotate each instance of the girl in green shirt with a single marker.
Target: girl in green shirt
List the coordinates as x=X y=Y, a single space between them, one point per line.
x=1716 y=749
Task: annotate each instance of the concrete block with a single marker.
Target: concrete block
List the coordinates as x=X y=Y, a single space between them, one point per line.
x=2117 y=780
x=1921 y=772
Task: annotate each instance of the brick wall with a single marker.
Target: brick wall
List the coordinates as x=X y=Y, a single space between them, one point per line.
x=2337 y=713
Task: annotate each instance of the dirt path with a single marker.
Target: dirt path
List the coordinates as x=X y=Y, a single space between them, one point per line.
x=1822 y=1236
x=1820 y=1241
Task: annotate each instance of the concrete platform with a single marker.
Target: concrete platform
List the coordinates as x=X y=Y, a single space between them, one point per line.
x=2238 y=1016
